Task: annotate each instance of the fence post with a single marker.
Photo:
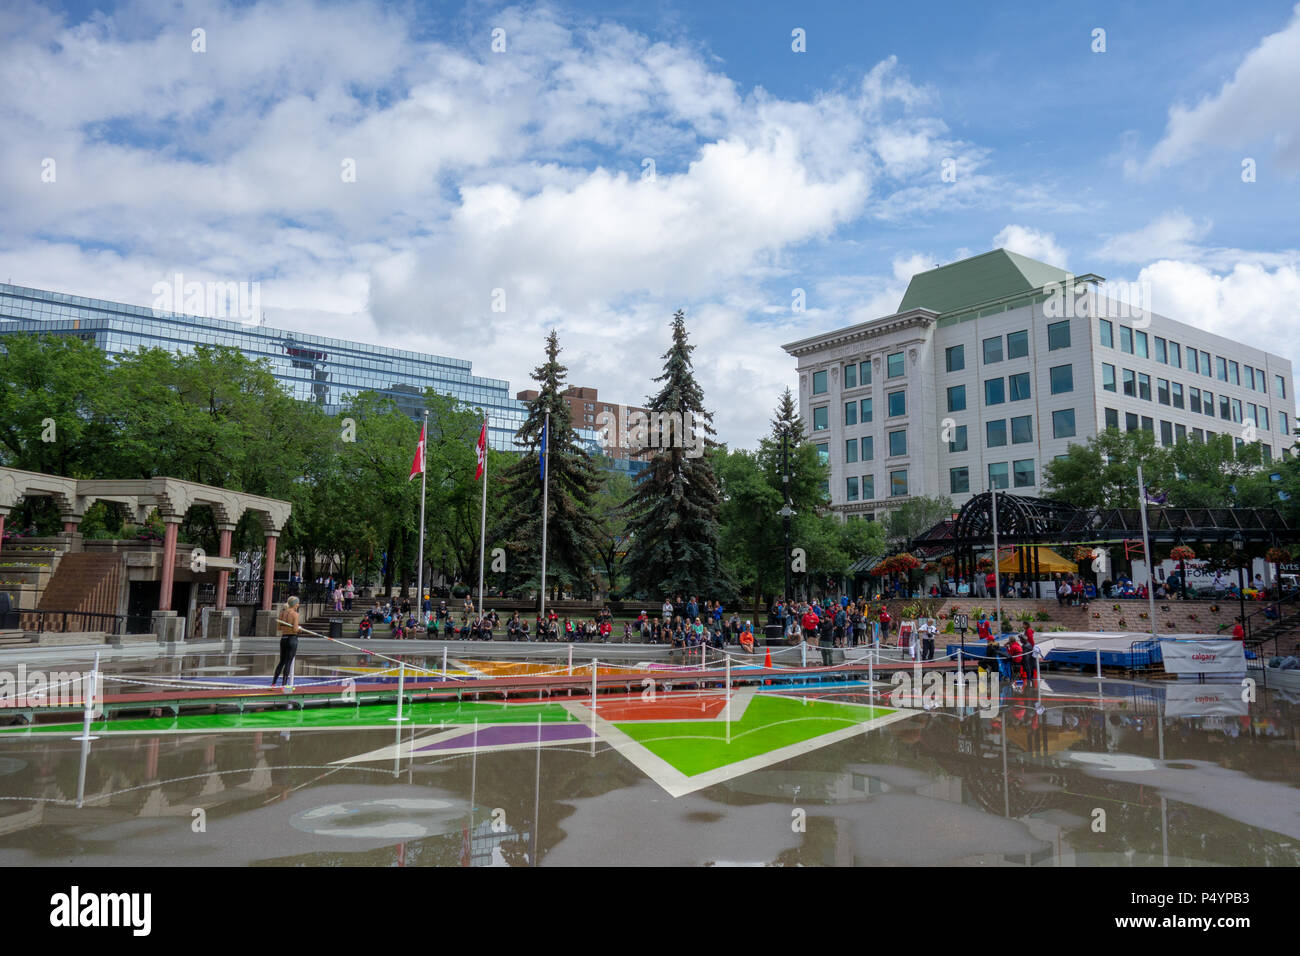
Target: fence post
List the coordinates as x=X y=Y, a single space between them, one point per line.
x=401 y=691
x=88 y=698
x=1099 y=662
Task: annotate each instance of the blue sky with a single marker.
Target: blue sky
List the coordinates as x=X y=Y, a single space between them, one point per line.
x=524 y=170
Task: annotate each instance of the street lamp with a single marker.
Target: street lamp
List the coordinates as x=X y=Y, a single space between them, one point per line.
x=786 y=511
x=1238 y=544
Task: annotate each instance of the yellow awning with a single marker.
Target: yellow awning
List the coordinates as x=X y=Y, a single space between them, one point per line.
x=1049 y=562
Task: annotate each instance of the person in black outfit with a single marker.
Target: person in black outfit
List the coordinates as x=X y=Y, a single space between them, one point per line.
x=826 y=633
x=287 y=626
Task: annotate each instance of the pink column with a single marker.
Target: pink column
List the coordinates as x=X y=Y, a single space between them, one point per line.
x=169 y=565
x=268 y=571
x=69 y=527
x=223 y=576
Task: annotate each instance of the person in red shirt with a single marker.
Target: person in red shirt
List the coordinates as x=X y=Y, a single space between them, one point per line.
x=885 y=621
x=991 y=583
x=1238 y=632
x=809 y=623
x=1016 y=652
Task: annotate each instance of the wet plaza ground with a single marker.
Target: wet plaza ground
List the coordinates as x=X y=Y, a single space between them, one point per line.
x=1074 y=772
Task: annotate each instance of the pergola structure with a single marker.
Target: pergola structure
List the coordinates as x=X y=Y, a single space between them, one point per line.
x=1042 y=521
x=172 y=498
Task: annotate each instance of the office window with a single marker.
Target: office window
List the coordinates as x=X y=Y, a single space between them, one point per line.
x=1022 y=429
x=894 y=365
x=1194 y=399
x=851 y=489
x=1130 y=383
x=1166 y=433
x=1262 y=421
x=850 y=413
x=1019 y=386
x=864 y=373
x=958 y=480
x=1112 y=418
x=1130 y=422
x=1126 y=339
x=1175 y=355
x=1193 y=363
x=1207 y=402
x=1148 y=424
x=1234 y=373
x=1248 y=373
x=1017 y=345
x=1236 y=410
x=898 y=443
x=1281 y=423
x=824 y=452
x=993 y=350
x=819 y=382
x=1205 y=365
x=1058 y=335
x=958 y=442
x=1225 y=408
x=868 y=448
x=998 y=475
x=956 y=398
x=994 y=392
x=865 y=406
x=1198 y=435
x=851 y=375
x=898 y=483
x=1140 y=344
x=851 y=451
x=820 y=418
x=1106 y=331
x=1180 y=433
x=898 y=403
x=955 y=357
x=1162 y=391
x=1024 y=473
x=868 y=487
x=1261 y=381
x=826 y=490
x=1108 y=377
x=1144 y=386
x=1063 y=422
x=1062 y=377
x=1162 y=350
x=995 y=433
x=1177 y=394
x=1279 y=386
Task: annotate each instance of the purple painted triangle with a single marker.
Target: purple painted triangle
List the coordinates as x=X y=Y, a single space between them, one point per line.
x=497 y=735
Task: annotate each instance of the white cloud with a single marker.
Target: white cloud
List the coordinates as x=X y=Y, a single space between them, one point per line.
x=1032 y=243
x=1171 y=236
x=1255 y=109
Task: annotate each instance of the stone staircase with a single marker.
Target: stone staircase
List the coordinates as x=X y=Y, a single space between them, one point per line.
x=1172 y=617
x=83 y=583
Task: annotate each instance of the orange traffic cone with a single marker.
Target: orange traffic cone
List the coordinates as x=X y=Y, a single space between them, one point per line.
x=767 y=661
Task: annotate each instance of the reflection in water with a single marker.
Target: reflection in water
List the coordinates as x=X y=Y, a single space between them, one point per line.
x=1024 y=787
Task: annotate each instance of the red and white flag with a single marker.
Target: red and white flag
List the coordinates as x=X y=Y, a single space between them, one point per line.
x=482 y=451
x=417 y=465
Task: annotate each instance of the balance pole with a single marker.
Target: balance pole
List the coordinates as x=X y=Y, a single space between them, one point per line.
x=88 y=698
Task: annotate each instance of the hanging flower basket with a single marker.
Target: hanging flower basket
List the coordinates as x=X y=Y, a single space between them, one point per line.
x=1082 y=554
x=907 y=562
x=932 y=568
x=948 y=562
x=984 y=564
x=1181 y=552
x=1277 y=555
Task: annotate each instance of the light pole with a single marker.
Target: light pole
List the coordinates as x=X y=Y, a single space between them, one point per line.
x=786 y=511
x=1238 y=545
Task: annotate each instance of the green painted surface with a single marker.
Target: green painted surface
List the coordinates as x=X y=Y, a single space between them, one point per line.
x=367 y=715
x=768 y=724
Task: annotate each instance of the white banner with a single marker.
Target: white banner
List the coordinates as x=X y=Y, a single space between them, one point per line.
x=1204 y=657
x=1189 y=699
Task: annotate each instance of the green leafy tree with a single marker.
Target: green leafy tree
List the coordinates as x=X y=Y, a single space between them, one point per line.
x=917 y=515
x=673 y=515
x=574 y=483
x=1102 y=472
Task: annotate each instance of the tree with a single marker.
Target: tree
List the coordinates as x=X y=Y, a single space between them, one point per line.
x=673 y=514
x=1102 y=472
x=611 y=525
x=1216 y=474
x=574 y=482
x=916 y=516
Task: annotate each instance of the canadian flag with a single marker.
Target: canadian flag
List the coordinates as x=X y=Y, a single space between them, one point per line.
x=482 y=451
x=417 y=465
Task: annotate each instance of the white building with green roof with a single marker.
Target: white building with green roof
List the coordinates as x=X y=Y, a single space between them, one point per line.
x=994 y=365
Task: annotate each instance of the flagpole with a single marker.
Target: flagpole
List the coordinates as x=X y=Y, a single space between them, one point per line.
x=482 y=534
x=419 y=563
x=546 y=483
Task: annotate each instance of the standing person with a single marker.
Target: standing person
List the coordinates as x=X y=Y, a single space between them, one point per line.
x=288 y=628
x=349 y=593
x=885 y=620
x=841 y=626
x=826 y=636
x=927 y=640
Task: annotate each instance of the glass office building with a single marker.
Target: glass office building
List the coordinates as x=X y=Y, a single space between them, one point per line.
x=312 y=367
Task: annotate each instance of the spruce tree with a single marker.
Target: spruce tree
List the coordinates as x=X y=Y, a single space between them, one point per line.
x=574 y=483
x=673 y=514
